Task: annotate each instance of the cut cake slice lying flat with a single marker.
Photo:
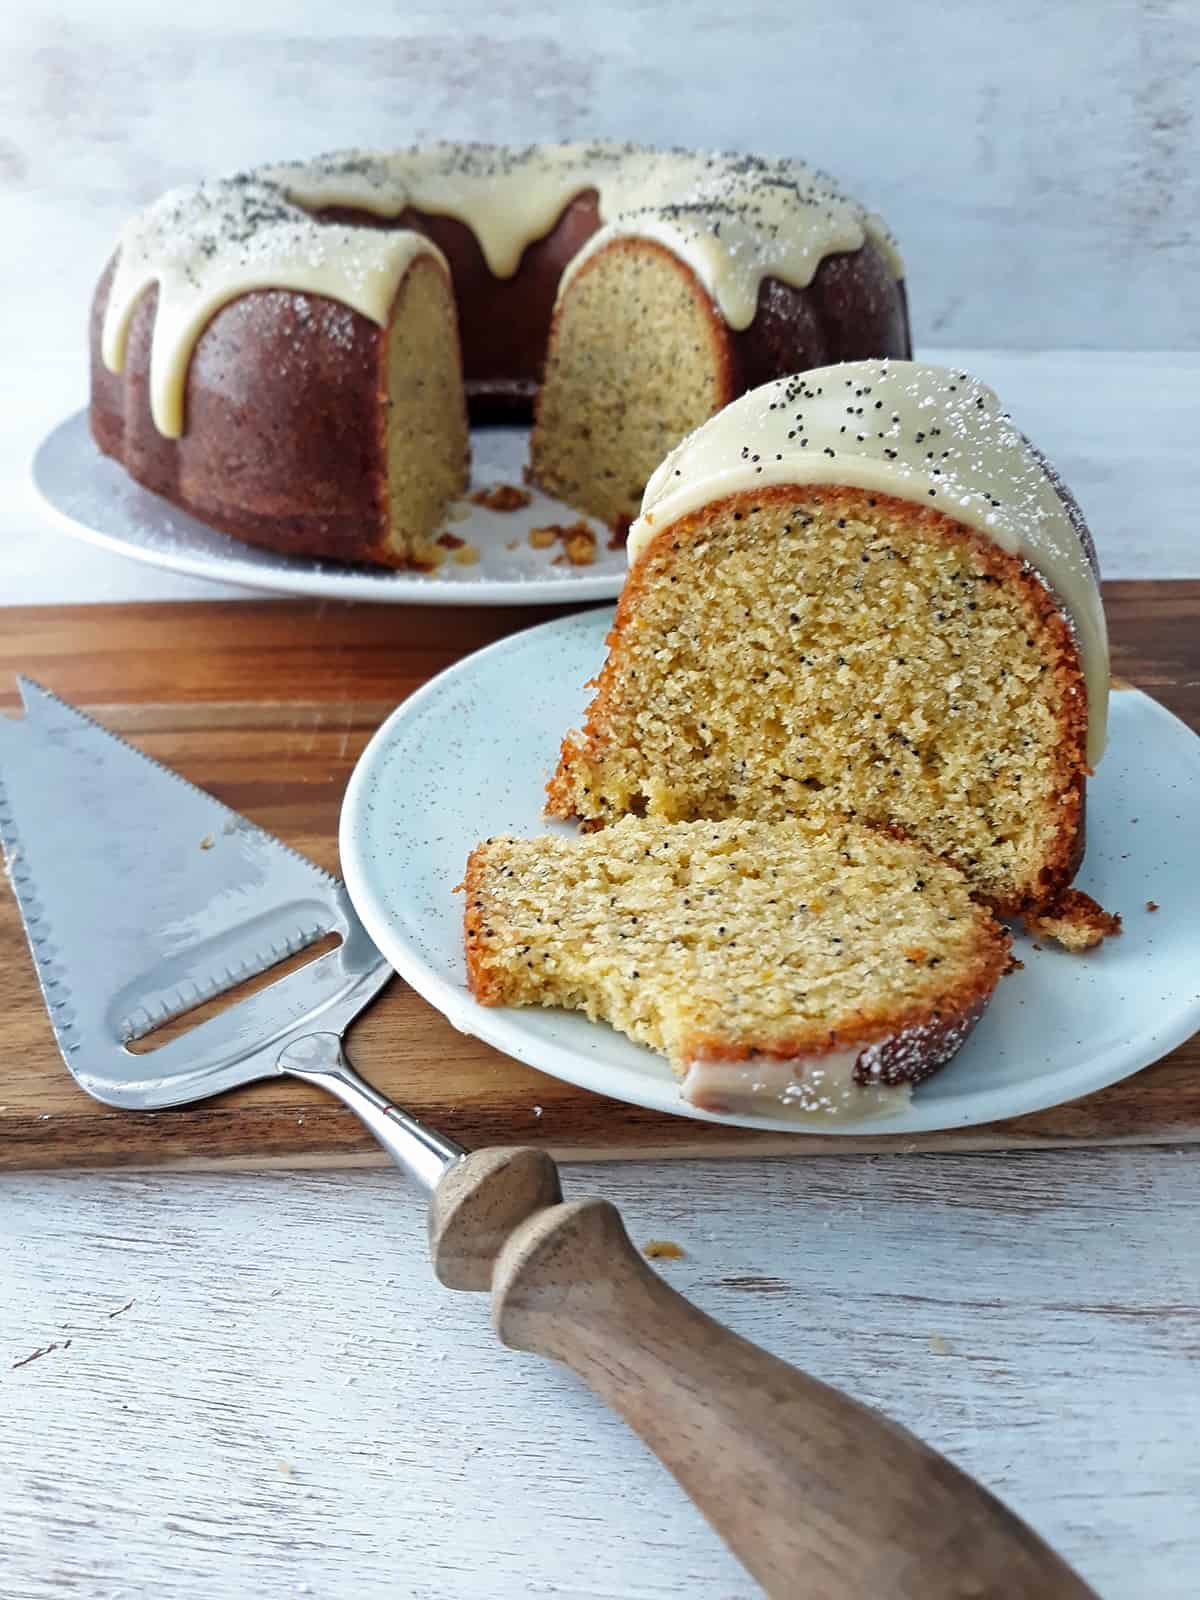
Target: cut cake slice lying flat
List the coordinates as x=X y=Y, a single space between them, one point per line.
x=822 y=967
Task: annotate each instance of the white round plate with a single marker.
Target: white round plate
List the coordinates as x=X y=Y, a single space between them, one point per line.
x=467 y=757
x=96 y=500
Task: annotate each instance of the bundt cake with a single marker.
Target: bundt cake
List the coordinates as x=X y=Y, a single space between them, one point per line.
x=279 y=352
x=860 y=592
x=826 y=968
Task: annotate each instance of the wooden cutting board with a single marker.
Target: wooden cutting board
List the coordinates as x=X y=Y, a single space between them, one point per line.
x=268 y=705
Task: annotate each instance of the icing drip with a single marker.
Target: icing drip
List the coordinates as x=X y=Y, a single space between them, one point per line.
x=207 y=245
x=817 y=1088
x=922 y=433
x=733 y=219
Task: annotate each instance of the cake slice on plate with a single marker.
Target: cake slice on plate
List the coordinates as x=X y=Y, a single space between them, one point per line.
x=861 y=592
x=822 y=967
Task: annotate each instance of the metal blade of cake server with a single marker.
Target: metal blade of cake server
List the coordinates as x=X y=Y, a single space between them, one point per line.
x=143 y=896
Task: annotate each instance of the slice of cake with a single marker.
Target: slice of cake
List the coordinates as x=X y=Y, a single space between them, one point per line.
x=860 y=592
x=823 y=968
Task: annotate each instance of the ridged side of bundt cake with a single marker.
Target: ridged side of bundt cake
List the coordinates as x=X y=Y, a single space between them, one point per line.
x=822 y=967
x=308 y=428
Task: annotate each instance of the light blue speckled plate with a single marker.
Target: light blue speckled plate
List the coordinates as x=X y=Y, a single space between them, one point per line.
x=468 y=756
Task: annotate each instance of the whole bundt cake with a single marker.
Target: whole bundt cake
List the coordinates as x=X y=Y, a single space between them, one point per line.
x=861 y=592
x=286 y=353
x=824 y=969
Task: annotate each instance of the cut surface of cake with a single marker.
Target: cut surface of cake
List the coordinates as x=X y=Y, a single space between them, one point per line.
x=637 y=361
x=246 y=364
x=859 y=592
x=820 y=968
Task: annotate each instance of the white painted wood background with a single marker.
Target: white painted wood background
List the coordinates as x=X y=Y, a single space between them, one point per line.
x=1037 y=161
x=251 y=1385
x=290 y=1405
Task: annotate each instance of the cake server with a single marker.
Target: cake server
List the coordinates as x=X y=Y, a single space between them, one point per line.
x=143 y=897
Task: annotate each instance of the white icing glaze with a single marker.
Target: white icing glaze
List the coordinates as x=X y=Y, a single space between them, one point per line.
x=207 y=245
x=927 y=434
x=733 y=219
x=817 y=1087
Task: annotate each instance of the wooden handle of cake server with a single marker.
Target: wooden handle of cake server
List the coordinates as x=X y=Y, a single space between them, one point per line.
x=819 y=1496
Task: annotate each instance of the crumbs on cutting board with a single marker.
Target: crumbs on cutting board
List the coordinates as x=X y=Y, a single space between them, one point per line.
x=1151 y=905
x=663 y=1250
x=939 y=1346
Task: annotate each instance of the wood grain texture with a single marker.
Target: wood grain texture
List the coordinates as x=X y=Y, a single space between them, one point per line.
x=268 y=705
x=815 y=1493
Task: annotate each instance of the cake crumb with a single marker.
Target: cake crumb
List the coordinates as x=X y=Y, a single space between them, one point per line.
x=1075 y=920
x=577 y=539
x=663 y=1250
x=283 y=1469
x=580 y=547
x=938 y=1345
x=450 y=541
x=207 y=842
x=466 y=556
x=502 y=497
x=1151 y=905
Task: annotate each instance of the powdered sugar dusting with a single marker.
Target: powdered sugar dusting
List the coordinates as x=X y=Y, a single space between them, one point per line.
x=205 y=245
x=817 y=1088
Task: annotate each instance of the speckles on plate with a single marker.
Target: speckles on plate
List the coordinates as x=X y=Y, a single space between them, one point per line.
x=466 y=757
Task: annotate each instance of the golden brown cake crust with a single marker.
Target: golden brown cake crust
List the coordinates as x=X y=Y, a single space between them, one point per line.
x=282 y=445
x=1062 y=861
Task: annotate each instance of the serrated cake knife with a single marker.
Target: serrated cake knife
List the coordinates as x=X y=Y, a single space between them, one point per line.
x=143 y=897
